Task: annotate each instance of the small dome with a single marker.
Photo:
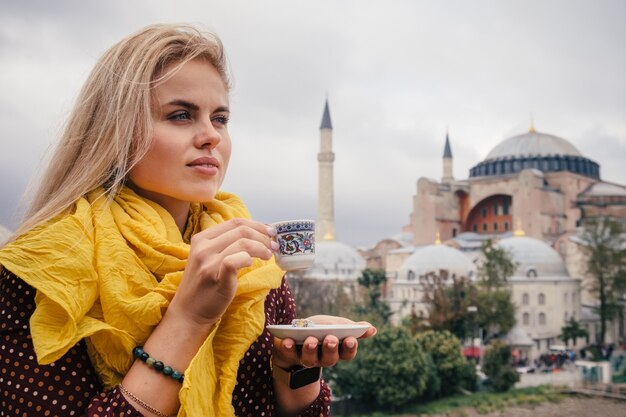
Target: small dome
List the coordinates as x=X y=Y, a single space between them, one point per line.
x=433 y=258
x=534 y=257
x=335 y=260
x=533 y=144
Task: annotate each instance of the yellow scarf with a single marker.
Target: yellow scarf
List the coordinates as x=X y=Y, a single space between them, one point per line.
x=107 y=272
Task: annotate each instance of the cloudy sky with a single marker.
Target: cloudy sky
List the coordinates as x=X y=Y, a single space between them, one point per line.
x=398 y=75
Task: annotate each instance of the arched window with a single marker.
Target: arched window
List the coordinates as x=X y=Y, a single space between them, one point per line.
x=541 y=299
x=531 y=273
x=525 y=299
x=542 y=319
x=526 y=319
x=411 y=276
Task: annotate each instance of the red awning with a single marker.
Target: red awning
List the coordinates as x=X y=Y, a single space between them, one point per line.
x=472 y=351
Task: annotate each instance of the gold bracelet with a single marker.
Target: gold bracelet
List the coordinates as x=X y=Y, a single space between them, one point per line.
x=144 y=404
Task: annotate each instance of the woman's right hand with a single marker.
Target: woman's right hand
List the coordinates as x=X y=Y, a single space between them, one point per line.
x=209 y=281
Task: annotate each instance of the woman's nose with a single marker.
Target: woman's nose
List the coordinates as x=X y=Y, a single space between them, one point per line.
x=207 y=135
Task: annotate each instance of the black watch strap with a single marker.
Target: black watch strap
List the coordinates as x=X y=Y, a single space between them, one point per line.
x=298 y=376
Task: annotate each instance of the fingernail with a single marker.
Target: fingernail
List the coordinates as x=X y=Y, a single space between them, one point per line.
x=350 y=344
x=274 y=245
x=288 y=345
x=332 y=345
x=271 y=231
x=312 y=346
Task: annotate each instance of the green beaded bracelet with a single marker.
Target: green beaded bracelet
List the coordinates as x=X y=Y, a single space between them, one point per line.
x=158 y=366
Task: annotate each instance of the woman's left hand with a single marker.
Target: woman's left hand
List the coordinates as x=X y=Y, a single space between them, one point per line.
x=285 y=354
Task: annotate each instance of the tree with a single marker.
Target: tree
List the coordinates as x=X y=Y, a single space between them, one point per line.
x=373 y=308
x=314 y=297
x=447 y=297
x=390 y=371
x=497 y=366
x=495 y=266
x=496 y=311
x=604 y=244
x=572 y=331
x=445 y=350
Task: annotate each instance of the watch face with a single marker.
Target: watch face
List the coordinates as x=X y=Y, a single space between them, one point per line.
x=304 y=376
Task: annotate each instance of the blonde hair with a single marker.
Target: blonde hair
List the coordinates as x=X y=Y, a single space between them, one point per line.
x=110 y=128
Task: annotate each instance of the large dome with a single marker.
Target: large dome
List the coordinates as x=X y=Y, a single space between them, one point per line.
x=433 y=258
x=335 y=260
x=533 y=144
x=542 y=151
x=534 y=257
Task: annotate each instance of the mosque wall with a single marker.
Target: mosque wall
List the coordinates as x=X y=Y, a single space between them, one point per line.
x=543 y=307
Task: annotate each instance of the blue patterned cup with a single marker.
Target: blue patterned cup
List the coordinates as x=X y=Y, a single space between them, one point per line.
x=296 y=239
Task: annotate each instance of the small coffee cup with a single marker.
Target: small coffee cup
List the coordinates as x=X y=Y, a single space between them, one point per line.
x=296 y=240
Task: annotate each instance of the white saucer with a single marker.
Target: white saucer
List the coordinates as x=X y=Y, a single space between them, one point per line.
x=320 y=331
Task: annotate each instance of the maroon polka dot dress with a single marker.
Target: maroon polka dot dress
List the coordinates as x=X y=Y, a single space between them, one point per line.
x=69 y=386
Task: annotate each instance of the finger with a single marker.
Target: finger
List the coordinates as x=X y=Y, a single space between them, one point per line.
x=234 y=262
x=232 y=224
x=253 y=248
x=348 y=349
x=309 y=355
x=329 y=351
x=215 y=239
x=284 y=353
x=371 y=331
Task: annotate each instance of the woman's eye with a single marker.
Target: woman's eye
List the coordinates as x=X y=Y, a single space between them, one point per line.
x=221 y=119
x=181 y=115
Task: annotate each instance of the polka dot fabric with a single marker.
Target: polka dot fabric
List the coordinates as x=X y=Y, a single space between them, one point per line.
x=254 y=393
x=69 y=386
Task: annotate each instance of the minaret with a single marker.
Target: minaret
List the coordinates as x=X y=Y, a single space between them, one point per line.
x=326 y=157
x=447 y=162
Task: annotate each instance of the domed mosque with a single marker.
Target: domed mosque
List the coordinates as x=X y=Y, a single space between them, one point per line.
x=534 y=182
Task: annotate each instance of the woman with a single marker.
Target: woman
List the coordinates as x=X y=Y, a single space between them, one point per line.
x=134 y=286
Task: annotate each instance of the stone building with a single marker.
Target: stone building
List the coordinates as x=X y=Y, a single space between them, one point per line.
x=534 y=182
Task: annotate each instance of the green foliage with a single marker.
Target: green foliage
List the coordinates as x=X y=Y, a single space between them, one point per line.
x=447 y=297
x=373 y=309
x=604 y=245
x=433 y=381
x=389 y=372
x=495 y=266
x=572 y=330
x=468 y=377
x=445 y=350
x=496 y=366
x=485 y=401
x=496 y=311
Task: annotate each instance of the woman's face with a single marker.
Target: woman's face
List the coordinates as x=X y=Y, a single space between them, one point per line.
x=191 y=146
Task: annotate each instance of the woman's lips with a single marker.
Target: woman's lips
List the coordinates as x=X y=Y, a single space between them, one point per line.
x=205 y=165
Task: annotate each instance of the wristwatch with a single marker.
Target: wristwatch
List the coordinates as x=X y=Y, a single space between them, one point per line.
x=297 y=376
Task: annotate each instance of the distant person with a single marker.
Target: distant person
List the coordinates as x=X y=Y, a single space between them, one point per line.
x=134 y=286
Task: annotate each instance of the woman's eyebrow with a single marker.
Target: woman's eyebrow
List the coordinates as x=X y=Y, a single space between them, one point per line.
x=186 y=104
x=194 y=107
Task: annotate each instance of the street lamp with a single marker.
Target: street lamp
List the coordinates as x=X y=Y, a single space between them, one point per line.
x=472 y=310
